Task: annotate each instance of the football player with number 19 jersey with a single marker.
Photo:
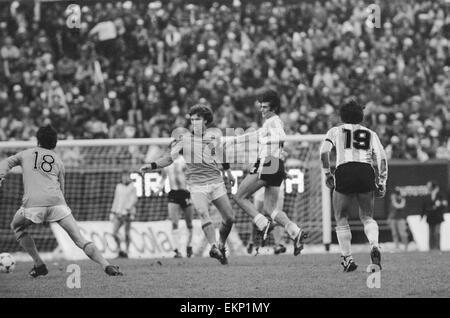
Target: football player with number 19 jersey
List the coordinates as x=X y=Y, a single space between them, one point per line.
x=361 y=173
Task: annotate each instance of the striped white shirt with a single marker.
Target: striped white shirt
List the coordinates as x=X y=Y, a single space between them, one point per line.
x=271 y=136
x=356 y=143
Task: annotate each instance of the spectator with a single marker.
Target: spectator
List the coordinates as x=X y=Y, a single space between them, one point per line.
x=148 y=57
x=434 y=207
x=397 y=219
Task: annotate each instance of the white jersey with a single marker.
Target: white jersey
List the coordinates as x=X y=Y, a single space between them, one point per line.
x=176 y=174
x=125 y=199
x=271 y=136
x=356 y=143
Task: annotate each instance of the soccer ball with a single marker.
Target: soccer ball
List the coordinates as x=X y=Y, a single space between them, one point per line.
x=7 y=263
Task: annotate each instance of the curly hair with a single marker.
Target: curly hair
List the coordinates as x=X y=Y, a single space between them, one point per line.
x=351 y=112
x=202 y=111
x=271 y=96
x=47 y=137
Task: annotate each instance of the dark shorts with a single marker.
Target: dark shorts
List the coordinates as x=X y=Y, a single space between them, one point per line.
x=180 y=197
x=355 y=177
x=272 y=171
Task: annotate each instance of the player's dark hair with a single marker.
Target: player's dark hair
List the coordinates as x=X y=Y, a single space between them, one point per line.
x=47 y=137
x=202 y=111
x=351 y=112
x=270 y=96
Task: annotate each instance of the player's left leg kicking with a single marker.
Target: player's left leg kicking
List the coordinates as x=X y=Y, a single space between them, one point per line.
x=63 y=216
x=70 y=226
x=270 y=206
x=271 y=181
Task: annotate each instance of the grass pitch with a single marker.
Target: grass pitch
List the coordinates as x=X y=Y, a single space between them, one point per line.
x=404 y=275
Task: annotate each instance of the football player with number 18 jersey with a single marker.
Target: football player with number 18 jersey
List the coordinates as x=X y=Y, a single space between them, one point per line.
x=43 y=200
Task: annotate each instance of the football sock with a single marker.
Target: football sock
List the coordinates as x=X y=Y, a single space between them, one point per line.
x=282 y=219
x=189 y=238
x=224 y=231
x=344 y=236
x=27 y=243
x=292 y=229
x=371 y=231
x=176 y=238
x=260 y=221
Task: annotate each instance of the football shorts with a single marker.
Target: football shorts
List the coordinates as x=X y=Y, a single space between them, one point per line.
x=355 y=177
x=180 y=197
x=271 y=171
x=45 y=214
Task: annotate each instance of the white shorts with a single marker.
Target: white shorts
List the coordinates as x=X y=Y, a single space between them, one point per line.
x=45 y=213
x=209 y=192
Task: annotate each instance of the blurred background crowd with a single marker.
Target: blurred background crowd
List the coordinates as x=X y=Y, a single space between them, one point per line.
x=133 y=69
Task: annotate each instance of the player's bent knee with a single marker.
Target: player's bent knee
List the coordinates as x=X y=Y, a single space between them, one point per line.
x=206 y=221
x=229 y=221
x=19 y=233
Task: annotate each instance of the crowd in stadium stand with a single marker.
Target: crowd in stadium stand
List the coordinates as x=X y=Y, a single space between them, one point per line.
x=132 y=69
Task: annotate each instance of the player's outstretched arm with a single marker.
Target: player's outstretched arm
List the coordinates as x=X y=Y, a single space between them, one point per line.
x=7 y=164
x=162 y=162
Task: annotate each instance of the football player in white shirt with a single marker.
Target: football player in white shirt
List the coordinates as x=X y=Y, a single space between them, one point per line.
x=278 y=231
x=123 y=210
x=361 y=173
x=269 y=172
